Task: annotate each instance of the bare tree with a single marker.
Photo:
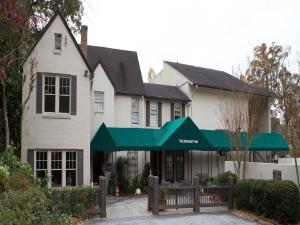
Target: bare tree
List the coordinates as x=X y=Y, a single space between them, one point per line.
x=239 y=114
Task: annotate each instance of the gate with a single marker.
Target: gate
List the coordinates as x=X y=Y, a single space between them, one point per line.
x=189 y=196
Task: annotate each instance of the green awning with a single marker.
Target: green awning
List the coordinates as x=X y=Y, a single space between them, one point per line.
x=220 y=140
x=269 y=142
x=180 y=134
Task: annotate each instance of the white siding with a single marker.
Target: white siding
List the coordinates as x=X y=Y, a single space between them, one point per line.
x=49 y=133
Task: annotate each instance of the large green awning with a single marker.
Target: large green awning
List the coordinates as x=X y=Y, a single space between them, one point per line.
x=180 y=134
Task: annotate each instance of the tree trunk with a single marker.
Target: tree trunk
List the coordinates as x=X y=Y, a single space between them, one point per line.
x=4 y=105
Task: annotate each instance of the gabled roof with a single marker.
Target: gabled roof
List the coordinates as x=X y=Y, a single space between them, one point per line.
x=167 y=92
x=57 y=14
x=122 y=68
x=216 y=79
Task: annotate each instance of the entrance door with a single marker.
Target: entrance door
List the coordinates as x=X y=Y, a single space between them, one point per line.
x=175 y=166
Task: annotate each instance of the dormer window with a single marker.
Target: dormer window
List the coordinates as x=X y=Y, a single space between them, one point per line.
x=58 y=39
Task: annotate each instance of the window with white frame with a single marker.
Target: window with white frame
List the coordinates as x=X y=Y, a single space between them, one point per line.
x=41 y=165
x=57 y=41
x=153 y=114
x=71 y=167
x=99 y=101
x=177 y=111
x=57 y=94
x=56 y=169
x=59 y=166
x=135 y=110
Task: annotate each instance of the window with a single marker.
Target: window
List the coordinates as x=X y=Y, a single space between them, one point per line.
x=59 y=166
x=56 y=169
x=71 y=168
x=58 y=38
x=135 y=110
x=99 y=101
x=53 y=102
x=50 y=94
x=41 y=165
x=153 y=114
x=177 y=111
x=64 y=95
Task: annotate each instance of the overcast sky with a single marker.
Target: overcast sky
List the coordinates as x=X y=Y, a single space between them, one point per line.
x=217 y=34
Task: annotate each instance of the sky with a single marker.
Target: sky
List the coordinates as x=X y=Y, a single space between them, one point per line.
x=216 y=34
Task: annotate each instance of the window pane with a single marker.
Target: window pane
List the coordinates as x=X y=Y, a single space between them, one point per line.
x=64 y=104
x=58 y=38
x=71 y=177
x=49 y=91
x=41 y=174
x=49 y=103
x=99 y=101
x=135 y=108
x=56 y=178
x=56 y=160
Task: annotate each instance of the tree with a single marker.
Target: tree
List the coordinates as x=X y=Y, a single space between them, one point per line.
x=268 y=69
x=239 y=113
x=265 y=69
x=21 y=22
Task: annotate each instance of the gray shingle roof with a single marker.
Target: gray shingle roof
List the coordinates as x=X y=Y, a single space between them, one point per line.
x=122 y=68
x=164 y=92
x=217 y=79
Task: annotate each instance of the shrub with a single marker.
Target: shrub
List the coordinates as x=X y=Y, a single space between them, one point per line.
x=277 y=200
x=223 y=178
x=27 y=207
x=74 y=201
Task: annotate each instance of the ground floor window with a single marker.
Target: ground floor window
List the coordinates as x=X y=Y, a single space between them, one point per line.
x=59 y=166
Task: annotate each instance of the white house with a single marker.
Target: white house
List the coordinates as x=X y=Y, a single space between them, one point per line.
x=76 y=88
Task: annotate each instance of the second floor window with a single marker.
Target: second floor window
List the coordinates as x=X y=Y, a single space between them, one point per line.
x=153 y=114
x=135 y=110
x=57 y=96
x=177 y=111
x=99 y=101
x=57 y=43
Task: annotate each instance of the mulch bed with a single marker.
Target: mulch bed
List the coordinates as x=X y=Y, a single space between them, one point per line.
x=255 y=218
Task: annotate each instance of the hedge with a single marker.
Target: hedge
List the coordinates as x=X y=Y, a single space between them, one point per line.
x=277 y=200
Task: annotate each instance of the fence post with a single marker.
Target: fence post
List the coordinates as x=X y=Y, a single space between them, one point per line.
x=103 y=190
x=150 y=192
x=155 y=209
x=231 y=192
x=196 y=194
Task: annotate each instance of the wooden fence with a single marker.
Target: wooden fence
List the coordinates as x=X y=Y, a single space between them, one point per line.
x=190 y=196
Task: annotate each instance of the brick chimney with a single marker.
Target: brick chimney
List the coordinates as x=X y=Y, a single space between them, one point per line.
x=83 y=45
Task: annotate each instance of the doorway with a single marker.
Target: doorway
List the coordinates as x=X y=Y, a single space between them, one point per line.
x=174 y=166
x=98 y=166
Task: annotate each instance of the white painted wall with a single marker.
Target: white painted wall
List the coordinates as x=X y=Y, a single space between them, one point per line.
x=101 y=83
x=44 y=132
x=264 y=171
x=290 y=161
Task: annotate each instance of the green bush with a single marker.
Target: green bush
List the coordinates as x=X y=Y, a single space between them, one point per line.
x=277 y=200
x=29 y=206
x=223 y=178
x=74 y=201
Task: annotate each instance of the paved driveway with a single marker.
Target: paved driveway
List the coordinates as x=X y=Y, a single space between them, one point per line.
x=134 y=212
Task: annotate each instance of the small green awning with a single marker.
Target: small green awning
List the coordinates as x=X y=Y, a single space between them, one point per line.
x=180 y=134
x=220 y=140
x=268 y=142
